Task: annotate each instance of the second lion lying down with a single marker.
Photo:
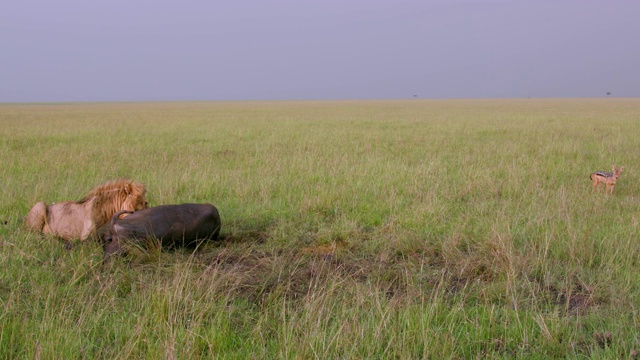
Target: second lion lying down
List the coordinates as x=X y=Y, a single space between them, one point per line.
x=172 y=225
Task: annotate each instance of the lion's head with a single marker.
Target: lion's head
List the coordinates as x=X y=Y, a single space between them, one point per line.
x=114 y=196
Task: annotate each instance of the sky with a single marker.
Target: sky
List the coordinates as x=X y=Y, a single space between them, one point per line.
x=143 y=50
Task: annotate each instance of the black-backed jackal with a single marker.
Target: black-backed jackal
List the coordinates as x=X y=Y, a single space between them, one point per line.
x=607 y=178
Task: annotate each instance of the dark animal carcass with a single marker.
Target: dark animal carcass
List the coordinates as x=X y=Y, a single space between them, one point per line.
x=172 y=225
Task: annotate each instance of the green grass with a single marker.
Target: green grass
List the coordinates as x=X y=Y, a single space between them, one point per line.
x=351 y=229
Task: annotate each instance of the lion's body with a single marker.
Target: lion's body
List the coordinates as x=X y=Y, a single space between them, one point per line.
x=71 y=220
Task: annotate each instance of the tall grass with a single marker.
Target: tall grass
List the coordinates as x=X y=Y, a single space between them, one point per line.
x=364 y=229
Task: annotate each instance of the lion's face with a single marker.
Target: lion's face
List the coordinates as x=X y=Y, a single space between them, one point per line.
x=135 y=198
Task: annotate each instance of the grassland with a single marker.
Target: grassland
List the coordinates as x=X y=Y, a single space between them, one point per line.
x=368 y=229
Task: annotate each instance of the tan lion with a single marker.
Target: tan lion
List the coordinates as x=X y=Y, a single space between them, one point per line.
x=71 y=220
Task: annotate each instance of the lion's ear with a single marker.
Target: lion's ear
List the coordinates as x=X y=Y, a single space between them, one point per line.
x=127 y=189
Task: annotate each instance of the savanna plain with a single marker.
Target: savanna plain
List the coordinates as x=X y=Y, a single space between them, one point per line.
x=400 y=229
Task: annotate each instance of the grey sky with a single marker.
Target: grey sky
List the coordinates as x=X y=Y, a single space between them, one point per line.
x=78 y=50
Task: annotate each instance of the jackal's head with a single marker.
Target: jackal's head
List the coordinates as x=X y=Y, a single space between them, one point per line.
x=617 y=172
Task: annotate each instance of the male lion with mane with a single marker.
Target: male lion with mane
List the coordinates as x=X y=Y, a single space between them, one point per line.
x=71 y=220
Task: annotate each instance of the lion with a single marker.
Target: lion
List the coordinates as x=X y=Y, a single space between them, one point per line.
x=72 y=220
